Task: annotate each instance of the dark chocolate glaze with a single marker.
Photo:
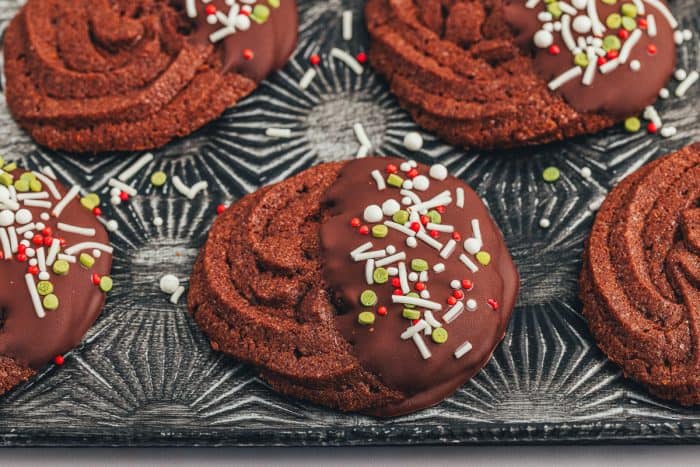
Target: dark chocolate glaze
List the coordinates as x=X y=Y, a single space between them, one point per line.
x=379 y=348
x=620 y=93
x=34 y=341
x=271 y=42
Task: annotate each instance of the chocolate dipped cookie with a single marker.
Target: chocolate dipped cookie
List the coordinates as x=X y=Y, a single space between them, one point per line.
x=640 y=283
x=506 y=73
x=55 y=260
x=105 y=75
x=375 y=285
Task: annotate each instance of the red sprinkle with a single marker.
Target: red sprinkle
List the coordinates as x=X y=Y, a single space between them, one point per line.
x=415 y=226
x=124 y=196
x=37 y=240
x=382 y=311
x=220 y=209
x=21 y=257
x=248 y=54
x=97 y=211
x=33 y=270
x=458 y=294
x=492 y=303
x=361 y=57
x=424 y=220
x=210 y=9
x=48 y=241
x=456 y=236
x=623 y=34
x=364 y=230
x=315 y=59
x=554 y=49
x=420 y=286
x=602 y=61
x=467 y=284
x=612 y=54
x=391 y=168
x=95 y=279
x=651 y=128
x=46 y=232
x=21 y=248
x=397 y=292
x=62 y=242
x=59 y=360
x=434 y=233
x=451 y=300
x=440 y=209
x=651 y=49
x=413 y=173
x=642 y=23
x=355 y=222
x=395 y=282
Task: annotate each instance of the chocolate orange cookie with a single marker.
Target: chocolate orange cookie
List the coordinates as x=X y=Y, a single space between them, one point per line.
x=375 y=285
x=103 y=75
x=516 y=72
x=640 y=284
x=55 y=259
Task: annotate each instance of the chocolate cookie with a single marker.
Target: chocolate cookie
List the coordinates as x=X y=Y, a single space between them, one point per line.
x=55 y=259
x=640 y=284
x=375 y=285
x=104 y=75
x=508 y=73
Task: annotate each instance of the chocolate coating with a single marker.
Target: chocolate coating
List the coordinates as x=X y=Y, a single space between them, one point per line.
x=31 y=342
x=640 y=284
x=100 y=75
x=620 y=93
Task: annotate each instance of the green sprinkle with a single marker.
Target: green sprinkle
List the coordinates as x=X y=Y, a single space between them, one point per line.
x=2 y=162
x=158 y=179
x=90 y=201
x=380 y=231
x=274 y=3
x=86 y=260
x=554 y=9
x=10 y=167
x=613 y=21
x=400 y=217
x=610 y=2
x=581 y=59
x=380 y=275
x=411 y=314
x=106 y=284
x=629 y=10
x=61 y=267
x=632 y=124
x=28 y=176
x=419 y=265
x=414 y=295
x=365 y=318
x=260 y=14
x=439 y=335
x=483 y=257
x=5 y=179
x=435 y=216
x=611 y=43
x=394 y=180
x=50 y=302
x=551 y=174
x=35 y=186
x=629 y=23
x=44 y=288
x=368 y=298
x=22 y=186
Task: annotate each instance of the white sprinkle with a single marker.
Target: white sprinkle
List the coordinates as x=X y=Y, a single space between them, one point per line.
x=678 y=37
x=220 y=34
x=278 y=132
x=449 y=249
x=25 y=228
x=460 y=197
x=597 y=26
x=411 y=242
x=61 y=205
x=455 y=284
x=53 y=251
x=680 y=74
x=414 y=197
x=471 y=304
x=443 y=199
x=453 y=312
x=369 y=271
x=129 y=190
x=191 y=8
x=393 y=271
x=49 y=183
x=390 y=207
x=308 y=77
x=586 y=172
x=650 y=113
x=413 y=141
x=403 y=279
x=566 y=35
x=184 y=190
x=112 y=225
x=544 y=223
x=48 y=171
x=532 y=3
x=40 y=195
x=362 y=152
x=668 y=131
x=421 y=183
x=373 y=213
x=175 y=297
x=169 y=284
x=41 y=258
x=664 y=93
x=36 y=301
x=37 y=203
x=88 y=232
x=589 y=73
x=348 y=59
x=13 y=238
x=472 y=267
x=378 y=179
x=413 y=277
x=609 y=66
x=415 y=329
x=564 y=78
x=7 y=217
x=422 y=348
x=96 y=253
x=467 y=346
x=44 y=276
x=390 y=249
x=406 y=200
x=421 y=235
x=115 y=201
x=423 y=276
x=439 y=267
x=361 y=134
x=5 y=243
x=407 y=185
x=651 y=25
x=69 y=258
x=347 y=25
x=135 y=167
x=566 y=8
x=431 y=319
x=415 y=301
x=635 y=65
x=87 y=245
x=544 y=38
x=687 y=34
x=438 y=172
x=629 y=45
x=405 y=166
x=664 y=11
x=361 y=249
x=158 y=221
x=400 y=228
x=391 y=259
x=440 y=227
x=369 y=255
x=686 y=83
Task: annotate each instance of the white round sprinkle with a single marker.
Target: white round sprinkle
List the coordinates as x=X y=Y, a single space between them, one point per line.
x=413 y=141
x=33 y=262
x=390 y=249
x=595 y=205
x=23 y=216
x=425 y=294
x=158 y=221
x=413 y=276
x=40 y=226
x=471 y=304
x=411 y=242
x=548 y=27
x=29 y=235
x=115 y=191
x=7 y=217
x=115 y=200
x=405 y=166
x=406 y=201
x=687 y=34
x=31 y=252
x=44 y=216
x=544 y=16
x=582 y=24
x=390 y=207
x=543 y=39
x=392 y=271
x=664 y=93
x=680 y=74
x=412 y=163
x=4 y=192
x=44 y=276
x=96 y=253
x=438 y=172
x=472 y=245
x=557 y=26
x=586 y=172
x=408 y=185
x=597 y=42
x=678 y=37
x=544 y=223
x=169 y=284
x=373 y=213
x=112 y=226
x=421 y=183
x=579 y=4
x=211 y=19
x=635 y=65
x=455 y=284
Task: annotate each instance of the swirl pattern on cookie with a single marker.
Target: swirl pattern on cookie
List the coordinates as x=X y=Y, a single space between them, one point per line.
x=103 y=75
x=281 y=283
x=640 y=284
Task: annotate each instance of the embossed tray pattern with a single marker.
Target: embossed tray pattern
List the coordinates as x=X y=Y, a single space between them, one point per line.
x=145 y=375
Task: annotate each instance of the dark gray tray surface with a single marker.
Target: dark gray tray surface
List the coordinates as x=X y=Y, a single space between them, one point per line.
x=145 y=375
